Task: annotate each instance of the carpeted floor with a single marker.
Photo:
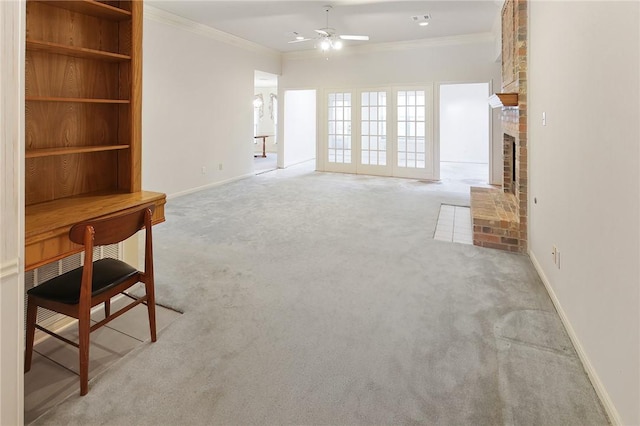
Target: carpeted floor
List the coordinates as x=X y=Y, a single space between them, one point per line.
x=316 y=298
x=266 y=164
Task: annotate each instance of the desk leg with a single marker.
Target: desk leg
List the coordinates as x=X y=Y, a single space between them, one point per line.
x=264 y=146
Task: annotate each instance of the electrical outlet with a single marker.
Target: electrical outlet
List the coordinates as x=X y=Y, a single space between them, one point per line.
x=204 y=170
x=220 y=166
x=555 y=252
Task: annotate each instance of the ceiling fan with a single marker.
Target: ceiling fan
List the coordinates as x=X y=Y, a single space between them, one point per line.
x=327 y=37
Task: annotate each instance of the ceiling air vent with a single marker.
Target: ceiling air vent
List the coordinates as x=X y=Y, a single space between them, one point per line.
x=422 y=20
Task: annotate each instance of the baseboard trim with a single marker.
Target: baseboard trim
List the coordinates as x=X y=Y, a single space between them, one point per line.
x=599 y=387
x=295 y=163
x=209 y=185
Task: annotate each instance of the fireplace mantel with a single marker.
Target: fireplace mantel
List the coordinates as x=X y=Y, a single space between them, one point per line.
x=503 y=100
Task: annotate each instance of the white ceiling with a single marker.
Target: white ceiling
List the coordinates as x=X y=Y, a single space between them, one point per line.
x=272 y=23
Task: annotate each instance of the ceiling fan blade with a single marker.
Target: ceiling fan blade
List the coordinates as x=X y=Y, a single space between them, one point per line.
x=299 y=41
x=323 y=33
x=355 y=37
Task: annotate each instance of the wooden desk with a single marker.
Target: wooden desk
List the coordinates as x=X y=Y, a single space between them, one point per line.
x=264 y=145
x=47 y=224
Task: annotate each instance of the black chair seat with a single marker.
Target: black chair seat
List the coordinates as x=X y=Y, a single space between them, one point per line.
x=65 y=288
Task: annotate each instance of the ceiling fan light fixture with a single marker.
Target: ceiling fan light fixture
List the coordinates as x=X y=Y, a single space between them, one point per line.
x=326 y=38
x=325 y=44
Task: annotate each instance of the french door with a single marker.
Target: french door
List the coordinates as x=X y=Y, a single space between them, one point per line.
x=339 y=147
x=385 y=132
x=414 y=133
x=372 y=141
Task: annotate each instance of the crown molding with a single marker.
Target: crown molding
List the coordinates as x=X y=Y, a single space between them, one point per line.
x=177 y=21
x=402 y=45
x=169 y=18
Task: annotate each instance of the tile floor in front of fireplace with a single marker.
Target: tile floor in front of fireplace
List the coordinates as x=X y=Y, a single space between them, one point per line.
x=54 y=370
x=454 y=225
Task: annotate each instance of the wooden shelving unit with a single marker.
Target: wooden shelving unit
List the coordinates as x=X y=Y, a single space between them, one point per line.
x=83 y=105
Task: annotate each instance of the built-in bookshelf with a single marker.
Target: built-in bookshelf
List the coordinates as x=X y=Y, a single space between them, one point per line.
x=83 y=103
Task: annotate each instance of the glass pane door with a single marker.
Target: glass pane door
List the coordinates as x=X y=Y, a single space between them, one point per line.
x=339 y=150
x=373 y=146
x=413 y=146
x=373 y=137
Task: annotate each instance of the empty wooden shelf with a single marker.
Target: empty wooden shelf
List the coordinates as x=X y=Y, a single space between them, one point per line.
x=93 y=8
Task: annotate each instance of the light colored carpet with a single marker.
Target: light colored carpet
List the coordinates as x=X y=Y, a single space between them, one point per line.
x=261 y=165
x=315 y=298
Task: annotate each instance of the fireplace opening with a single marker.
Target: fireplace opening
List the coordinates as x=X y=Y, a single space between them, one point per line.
x=514 y=164
x=510 y=177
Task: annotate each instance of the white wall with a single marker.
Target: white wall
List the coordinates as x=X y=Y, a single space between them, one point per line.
x=456 y=59
x=464 y=123
x=197 y=109
x=584 y=73
x=468 y=58
x=12 y=30
x=299 y=126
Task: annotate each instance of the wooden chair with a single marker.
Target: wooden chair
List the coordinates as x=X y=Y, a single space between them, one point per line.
x=76 y=292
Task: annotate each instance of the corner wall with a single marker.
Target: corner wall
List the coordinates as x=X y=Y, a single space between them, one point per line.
x=197 y=115
x=12 y=30
x=584 y=73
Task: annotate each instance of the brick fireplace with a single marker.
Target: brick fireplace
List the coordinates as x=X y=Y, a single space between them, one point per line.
x=500 y=215
x=510 y=176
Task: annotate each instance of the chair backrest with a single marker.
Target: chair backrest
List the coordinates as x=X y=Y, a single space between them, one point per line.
x=113 y=229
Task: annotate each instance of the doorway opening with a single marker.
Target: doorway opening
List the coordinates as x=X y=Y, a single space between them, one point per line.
x=299 y=144
x=464 y=133
x=265 y=122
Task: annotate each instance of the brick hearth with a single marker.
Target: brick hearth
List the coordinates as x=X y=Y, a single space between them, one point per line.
x=495 y=220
